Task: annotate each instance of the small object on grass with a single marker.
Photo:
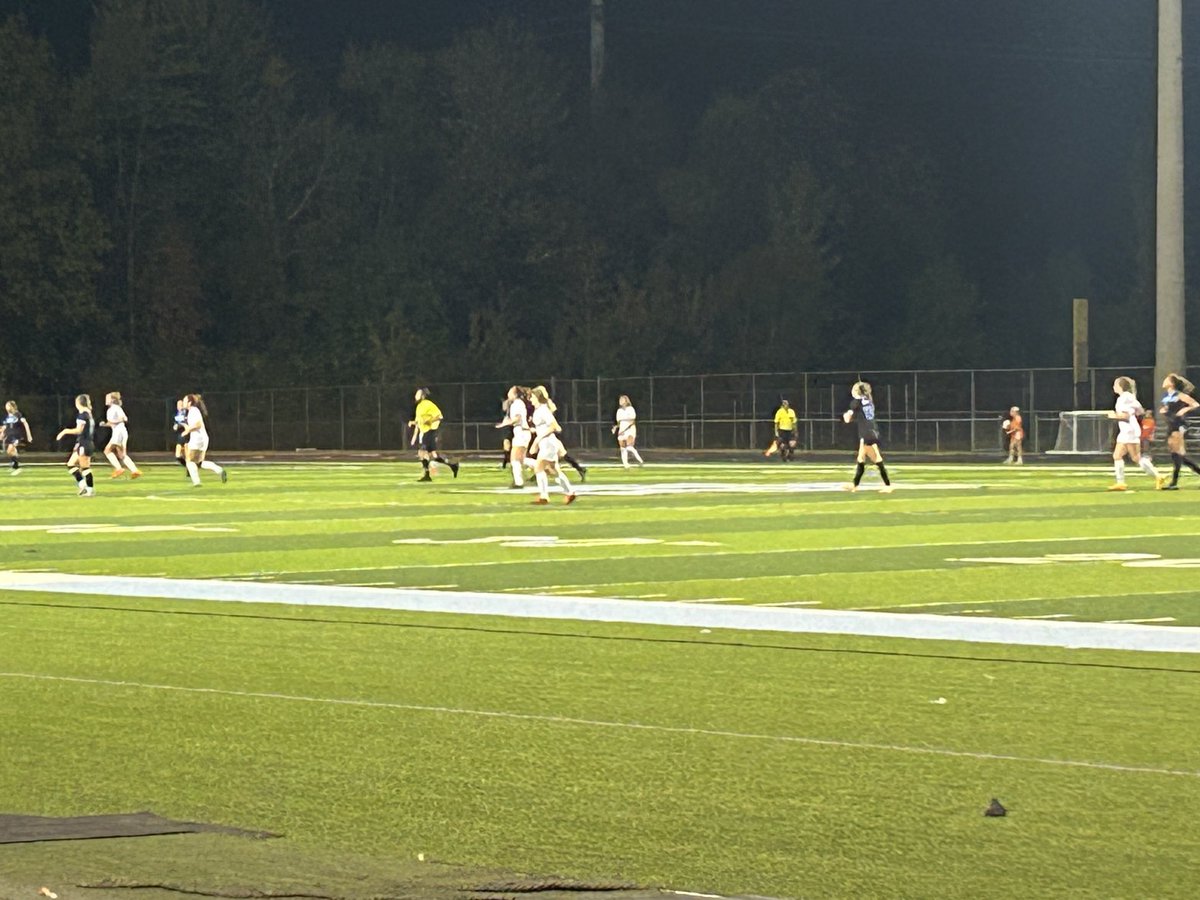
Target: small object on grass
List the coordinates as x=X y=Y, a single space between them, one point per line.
x=940 y=701
x=420 y=857
x=46 y=892
x=995 y=808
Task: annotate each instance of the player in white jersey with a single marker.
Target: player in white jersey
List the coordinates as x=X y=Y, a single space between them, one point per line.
x=197 y=440
x=516 y=417
x=1129 y=434
x=116 y=451
x=626 y=431
x=548 y=449
x=564 y=454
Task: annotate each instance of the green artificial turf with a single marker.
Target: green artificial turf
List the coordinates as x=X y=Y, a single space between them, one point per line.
x=783 y=765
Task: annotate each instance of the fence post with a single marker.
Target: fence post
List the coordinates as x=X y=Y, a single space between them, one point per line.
x=1033 y=411
x=916 y=417
x=599 y=437
x=702 y=445
x=650 y=441
x=379 y=415
x=462 y=416
x=972 y=410
x=237 y=418
x=272 y=420
x=753 y=409
x=342 y=417
x=307 y=435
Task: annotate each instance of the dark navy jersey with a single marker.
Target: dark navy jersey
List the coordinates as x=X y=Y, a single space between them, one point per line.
x=180 y=419
x=1176 y=409
x=14 y=429
x=863 y=414
x=88 y=434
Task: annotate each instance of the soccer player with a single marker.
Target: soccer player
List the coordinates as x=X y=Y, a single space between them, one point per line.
x=181 y=439
x=197 y=440
x=427 y=418
x=785 y=432
x=862 y=412
x=1014 y=428
x=1129 y=434
x=80 y=462
x=626 y=431
x=15 y=430
x=516 y=418
x=549 y=448
x=116 y=451
x=1177 y=403
x=565 y=454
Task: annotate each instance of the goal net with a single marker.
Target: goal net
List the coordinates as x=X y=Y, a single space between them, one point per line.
x=1084 y=431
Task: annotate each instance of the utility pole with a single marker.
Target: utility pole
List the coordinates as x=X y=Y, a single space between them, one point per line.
x=1170 y=334
x=597 y=52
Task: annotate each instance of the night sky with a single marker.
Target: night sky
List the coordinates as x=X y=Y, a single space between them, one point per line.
x=1040 y=114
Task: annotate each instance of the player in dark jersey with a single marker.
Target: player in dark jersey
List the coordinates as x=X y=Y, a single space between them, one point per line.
x=80 y=463
x=1177 y=402
x=862 y=413
x=181 y=439
x=15 y=430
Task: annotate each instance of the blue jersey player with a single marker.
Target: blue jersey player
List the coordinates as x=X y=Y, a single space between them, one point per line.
x=80 y=463
x=862 y=413
x=14 y=430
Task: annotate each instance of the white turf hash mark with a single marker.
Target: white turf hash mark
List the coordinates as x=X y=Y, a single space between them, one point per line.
x=601 y=723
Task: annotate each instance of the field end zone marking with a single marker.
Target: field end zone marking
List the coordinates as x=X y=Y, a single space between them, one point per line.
x=602 y=723
x=920 y=626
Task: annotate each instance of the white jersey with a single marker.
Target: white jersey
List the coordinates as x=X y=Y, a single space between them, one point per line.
x=626 y=417
x=197 y=439
x=518 y=415
x=543 y=421
x=1129 y=431
x=117 y=422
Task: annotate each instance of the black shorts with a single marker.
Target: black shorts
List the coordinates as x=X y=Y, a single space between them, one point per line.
x=84 y=448
x=869 y=440
x=1177 y=425
x=429 y=441
x=784 y=437
x=12 y=442
x=181 y=438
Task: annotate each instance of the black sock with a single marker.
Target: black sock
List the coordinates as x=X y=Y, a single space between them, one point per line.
x=182 y=460
x=1191 y=465
x=16 y=463
x=858 y=473
x=507 y=459
x=1176 y=463
x=883 y=473
x=87 y=476
x=425 y=465
x=573 y=463
x=441 y=459
x=75 y=474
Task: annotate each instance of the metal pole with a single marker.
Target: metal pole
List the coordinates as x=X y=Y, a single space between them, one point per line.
x=753 y=409
x=599 y=433
x=342 y=416
x=462 y=415
x=1033 y=411
x=972 y=410
x=307 y=436
x=650 y=441
x=1170 y=350
x=811 y=444
x=702 y=445
x=916 y=420
x=379 y=415
x=238 y=418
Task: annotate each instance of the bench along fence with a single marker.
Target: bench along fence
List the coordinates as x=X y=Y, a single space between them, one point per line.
x=957 y=410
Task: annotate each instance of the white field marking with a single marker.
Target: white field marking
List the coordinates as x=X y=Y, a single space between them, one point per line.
x=1137 y=621
x=643 y=597
x=741 y=617
x=607 y=724
x=111 y=528
x=1164 y=564
x=1058 y=558
x=714 y=600
x=1028 y=599
x=636 y=489
x=371 y=584
x=1048 y=616
x=792 y=603
x=550 y=541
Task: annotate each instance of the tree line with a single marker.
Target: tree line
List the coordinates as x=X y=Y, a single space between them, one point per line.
x=193 y=208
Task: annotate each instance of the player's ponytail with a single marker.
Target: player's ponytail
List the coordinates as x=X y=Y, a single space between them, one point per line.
x=861 y=391
x=197 y=401
x=84 y=401
x=1127 y=385
x=1180 y=383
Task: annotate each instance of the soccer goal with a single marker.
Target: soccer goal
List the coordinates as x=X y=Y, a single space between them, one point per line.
x=1084 y=431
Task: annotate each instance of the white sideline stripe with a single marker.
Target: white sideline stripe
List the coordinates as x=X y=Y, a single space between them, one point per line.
x=602 y=723
x=1063 y=597
x=920 y=626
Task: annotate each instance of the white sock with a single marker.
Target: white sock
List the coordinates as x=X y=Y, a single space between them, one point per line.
x=636 y=455
x=543 y=483
x=1148 y=467
x=211 y=466
x=129 y=464
x=563 y=483
x=193 y=472
x=112 y=460
x=1119 y=468
x=518 y=475
x=625 y=457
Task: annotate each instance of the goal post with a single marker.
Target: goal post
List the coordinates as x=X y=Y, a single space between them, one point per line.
x=1083 y=432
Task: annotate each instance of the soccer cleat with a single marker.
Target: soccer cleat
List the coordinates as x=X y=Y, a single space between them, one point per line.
x=15 y=472
x=886 y=489
x=82 y=490
x=850 y=487
x=89 y=492
x=516 y=487
x=1160 y=482
x=224 y=476
x=1171 y=487
x=425 y=477
x=570 y=498
x=995 y=809
x=541 y=501
x=117 y=473
x=583 y=473
x=1117 y=487
x=454 y=469
x=137 y=474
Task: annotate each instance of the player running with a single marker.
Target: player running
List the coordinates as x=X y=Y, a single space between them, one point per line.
x=548 y=448
x=516 y=418
x=626 y=431
x=116 y=451
x=80 y=462
x=1176 y=404
x=197 y=440
x=15 y=430
x=564 y=454
x=178 y=425
x=862 y=412
x=427 y=418
x=1129 y=435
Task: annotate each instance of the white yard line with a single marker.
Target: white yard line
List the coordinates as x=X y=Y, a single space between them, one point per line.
x=1026 y=600
x=920 y=626
x=606 y=724
x=1138 y=621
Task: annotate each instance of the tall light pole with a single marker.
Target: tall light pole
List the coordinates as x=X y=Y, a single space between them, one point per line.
x=1169 y=354
x=597 y=22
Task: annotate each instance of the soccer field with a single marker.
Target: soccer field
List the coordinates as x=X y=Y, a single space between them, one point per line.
x=698 y=757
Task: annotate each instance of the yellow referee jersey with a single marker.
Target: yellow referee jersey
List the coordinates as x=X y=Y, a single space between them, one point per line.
x=785 y=419
x=428 y=417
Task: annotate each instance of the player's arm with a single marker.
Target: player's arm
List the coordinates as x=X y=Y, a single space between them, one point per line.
x=848 y=416
x=1189 y=403
x=78 y=429
x=28 y=430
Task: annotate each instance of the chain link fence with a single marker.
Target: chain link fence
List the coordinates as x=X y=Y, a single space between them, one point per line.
x=922 y=411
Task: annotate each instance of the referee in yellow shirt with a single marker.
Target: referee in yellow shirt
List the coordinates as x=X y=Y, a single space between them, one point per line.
x=425 y=422
x=785 y=431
